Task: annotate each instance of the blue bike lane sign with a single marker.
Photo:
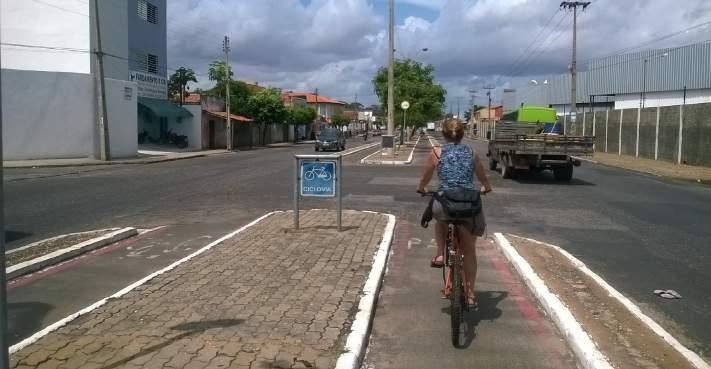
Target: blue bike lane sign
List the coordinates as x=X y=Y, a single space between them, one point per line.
x=318 y=178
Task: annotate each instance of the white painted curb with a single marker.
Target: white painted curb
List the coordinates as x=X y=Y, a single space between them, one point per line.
x=587 y=160
x=585 y=350
x=68 y=252
x=360 y=148
x=366 y=160
x=357 y=339
x=33 y=244
x=35 y=337
x=693 y=358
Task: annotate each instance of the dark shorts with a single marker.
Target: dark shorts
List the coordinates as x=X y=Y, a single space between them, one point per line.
x=477 y=225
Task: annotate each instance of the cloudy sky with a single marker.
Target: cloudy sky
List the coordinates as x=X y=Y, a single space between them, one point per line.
x=337 y=45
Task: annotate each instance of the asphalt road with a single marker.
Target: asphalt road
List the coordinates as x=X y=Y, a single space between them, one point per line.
x=638 y=232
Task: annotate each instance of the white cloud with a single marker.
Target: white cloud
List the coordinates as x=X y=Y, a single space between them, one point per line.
x=337 y=45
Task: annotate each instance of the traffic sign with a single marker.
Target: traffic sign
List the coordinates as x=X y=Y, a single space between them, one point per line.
x=318 y=178
x=405 y=105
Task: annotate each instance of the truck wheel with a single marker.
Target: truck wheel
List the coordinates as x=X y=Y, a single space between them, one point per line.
x=563 y=174
x=492 y=163
x=507 y=171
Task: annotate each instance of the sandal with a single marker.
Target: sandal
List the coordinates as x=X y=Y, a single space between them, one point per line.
x=434 y=263
x=472 y=304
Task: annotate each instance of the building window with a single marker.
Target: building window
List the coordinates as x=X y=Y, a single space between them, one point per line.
x=151 y=63
x=147 y=11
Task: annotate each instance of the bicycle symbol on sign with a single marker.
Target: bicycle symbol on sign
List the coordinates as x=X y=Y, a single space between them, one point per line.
x=317 y=172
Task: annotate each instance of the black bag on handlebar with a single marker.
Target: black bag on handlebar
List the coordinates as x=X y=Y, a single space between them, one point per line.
x=460 y=203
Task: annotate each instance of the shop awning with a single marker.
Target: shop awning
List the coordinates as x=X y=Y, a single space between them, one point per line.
x=163 y=108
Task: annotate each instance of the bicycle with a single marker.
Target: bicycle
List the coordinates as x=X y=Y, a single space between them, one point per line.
x=319 y=173
x=453 y=276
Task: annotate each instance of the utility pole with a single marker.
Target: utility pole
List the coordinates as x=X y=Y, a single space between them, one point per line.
x=182 y=86
x=459 y=107
x=391 y=68
x=4 y=344
x=573 y=68
x=228 y=114
x=318 y=111
x=104 y=147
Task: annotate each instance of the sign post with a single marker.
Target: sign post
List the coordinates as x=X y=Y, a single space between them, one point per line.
x=405 y=105
x=318 y=176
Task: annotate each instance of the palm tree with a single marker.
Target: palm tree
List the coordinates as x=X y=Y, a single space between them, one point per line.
x=179 y=81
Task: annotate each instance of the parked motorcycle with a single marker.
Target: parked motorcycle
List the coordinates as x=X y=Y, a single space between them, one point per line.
x=170 y=137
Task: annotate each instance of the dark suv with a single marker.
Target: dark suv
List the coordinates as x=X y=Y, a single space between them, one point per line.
x=331 y=139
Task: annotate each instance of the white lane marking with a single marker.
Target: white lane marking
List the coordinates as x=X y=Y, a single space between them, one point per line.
x=631 y=307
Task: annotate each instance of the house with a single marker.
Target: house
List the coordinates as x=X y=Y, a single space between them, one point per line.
x=325 y=106
x=50 y=103
x=484 y=114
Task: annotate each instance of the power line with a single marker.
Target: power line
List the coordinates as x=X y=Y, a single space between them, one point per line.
x=543 y=46
x=533 y=41
x=649 y=42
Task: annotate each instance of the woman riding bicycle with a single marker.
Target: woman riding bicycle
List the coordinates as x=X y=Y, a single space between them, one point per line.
x=456 y=165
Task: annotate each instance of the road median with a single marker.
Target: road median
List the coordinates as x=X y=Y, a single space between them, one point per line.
x=55 y=250
x=400 y=157
x=265 y=295
x=604 y=328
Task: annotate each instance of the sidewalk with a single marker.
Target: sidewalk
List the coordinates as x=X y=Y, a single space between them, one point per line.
x=270 y=297
x=78 y=162
x=655 y=167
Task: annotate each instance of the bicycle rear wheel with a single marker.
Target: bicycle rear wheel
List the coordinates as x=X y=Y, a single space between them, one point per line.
x=456 y=294
x=457 y=307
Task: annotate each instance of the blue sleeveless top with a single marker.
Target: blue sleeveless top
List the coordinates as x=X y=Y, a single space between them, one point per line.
x=455 y=168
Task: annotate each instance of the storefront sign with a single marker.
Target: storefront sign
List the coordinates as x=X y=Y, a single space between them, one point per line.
x=150 y=85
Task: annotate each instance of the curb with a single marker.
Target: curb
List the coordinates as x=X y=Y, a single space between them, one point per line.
x=58 y=256
x=358 y=149
x=117 y=162
x=357 y=340
x=365 y=160
x=691 y=356
x=62 y=322
x=585 y=350
x=585 y=160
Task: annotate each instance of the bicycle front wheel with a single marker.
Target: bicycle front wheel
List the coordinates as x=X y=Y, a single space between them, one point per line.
x=457 y=307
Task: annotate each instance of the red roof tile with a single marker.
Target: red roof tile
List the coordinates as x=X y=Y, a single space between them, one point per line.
x=234 y=117
x=311 y=98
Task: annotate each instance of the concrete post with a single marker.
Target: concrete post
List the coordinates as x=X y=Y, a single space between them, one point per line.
x=636 y=144
x=584 y=121
x=681 y=132
x=656 y=137
x=619 y=137
x=607 y=120
x=593 y=132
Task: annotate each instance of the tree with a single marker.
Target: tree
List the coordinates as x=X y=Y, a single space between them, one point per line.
x=339 y=119
x=239 y=91
x=414 y=82
x=216 y=72
x=266 y=107
x=178 y=83
x=300 y=116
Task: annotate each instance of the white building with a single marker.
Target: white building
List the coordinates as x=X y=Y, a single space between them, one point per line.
x=49 y=87
x=661 y=77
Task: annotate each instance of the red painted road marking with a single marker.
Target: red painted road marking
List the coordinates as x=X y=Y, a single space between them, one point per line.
x=54 y=269
x=527 y=309
x=402 y=237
